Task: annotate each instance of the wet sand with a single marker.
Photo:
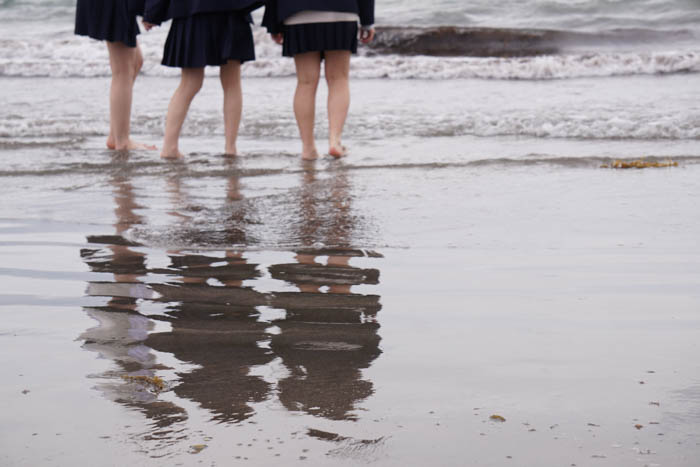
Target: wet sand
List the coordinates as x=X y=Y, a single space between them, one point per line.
x=575 y=325
x=531 y=310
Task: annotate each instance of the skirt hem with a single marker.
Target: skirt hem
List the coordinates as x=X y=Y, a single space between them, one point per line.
x=320 y=37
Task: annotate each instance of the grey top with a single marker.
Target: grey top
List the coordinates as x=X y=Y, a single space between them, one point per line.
x=314 y=17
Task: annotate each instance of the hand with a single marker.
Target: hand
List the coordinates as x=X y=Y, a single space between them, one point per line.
x=279 y=38
x=148 y=25
x=366 y=35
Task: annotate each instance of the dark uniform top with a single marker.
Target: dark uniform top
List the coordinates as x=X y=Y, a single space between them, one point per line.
x=276 y=11
x=158 y=11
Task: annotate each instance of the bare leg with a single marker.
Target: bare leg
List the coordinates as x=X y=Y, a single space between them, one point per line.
x=338 y=79
x=308 y=73
x=125 y=63
x=342 y=262
x=310 y=260
x=233 y=103
x=190 y=84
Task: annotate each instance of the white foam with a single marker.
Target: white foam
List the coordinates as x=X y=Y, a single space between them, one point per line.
x=601 y=125
x=528 y=68
x=64 y=55
x=609 y=124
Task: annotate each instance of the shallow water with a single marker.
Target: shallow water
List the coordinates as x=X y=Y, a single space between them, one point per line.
x=609 y=117
x=470 y=258
x=340 y=319
x=377 y=310
x=532 y=39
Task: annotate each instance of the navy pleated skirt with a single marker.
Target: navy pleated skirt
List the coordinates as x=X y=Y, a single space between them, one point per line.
x=209 y=39
x=107 y=20
x=319 y=37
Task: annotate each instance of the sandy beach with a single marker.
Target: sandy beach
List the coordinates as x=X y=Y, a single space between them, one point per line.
x=387 y=309
x=473 y=285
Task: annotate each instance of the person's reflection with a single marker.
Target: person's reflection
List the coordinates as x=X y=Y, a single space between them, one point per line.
x=330 y=334
x=122 y=330
x=121 y=259
x=214 y=318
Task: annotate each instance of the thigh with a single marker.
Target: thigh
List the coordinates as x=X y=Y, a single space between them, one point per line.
x=230 y=72
x=337 y=64
x=308 y=66
x=121 y=56
x=192 y=78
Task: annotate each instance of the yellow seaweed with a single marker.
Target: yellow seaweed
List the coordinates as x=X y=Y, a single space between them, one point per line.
x=155 y=382
x=197 y=448
x=639 y=164
x=497 y=418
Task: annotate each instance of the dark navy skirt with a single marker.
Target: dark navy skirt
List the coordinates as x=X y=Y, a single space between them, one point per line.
x=209 y=39
x=106 y=20
x=319 y=37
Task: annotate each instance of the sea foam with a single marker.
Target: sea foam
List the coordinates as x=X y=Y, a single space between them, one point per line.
x=64 y=55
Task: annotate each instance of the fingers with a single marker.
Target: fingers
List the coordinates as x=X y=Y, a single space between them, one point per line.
x=148 y=25
x=278 y=38
x=367 y=35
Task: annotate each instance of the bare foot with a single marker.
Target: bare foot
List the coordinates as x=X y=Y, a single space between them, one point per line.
x=231 y=152
x=337 y=150
x=135 y=146
x=309 y=155
x=172 y=155
x=130 y=146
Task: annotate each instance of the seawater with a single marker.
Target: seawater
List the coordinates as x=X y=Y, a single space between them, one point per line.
x=37 y=40
x=518 y=275
x=593 y=88
x=588 y=15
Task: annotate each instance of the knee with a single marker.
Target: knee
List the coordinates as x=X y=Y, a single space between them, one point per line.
x=335 y=77
x=192 y=88
x=122 y=69
x=231 y=78
x=191 y=83
x=307 y=84
x=308 y=80
x=138 y=64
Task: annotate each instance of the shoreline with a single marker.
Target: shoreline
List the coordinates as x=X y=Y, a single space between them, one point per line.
x=470 y=262
x=546 y=303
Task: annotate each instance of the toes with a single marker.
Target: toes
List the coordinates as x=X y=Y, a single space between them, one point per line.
x=338 y=151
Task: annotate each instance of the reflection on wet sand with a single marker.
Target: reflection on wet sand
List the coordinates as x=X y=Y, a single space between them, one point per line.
x=212 y=313
x=122 y=331
x=326 y=339
x=216 y=326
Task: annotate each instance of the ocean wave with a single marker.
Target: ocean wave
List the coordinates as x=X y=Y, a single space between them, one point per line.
x=196 y=169
x=548 y=67
x=532 y=160
x=603 y=125
x=594 y=125
x=50 y=142
x=451 y=41
x=65 y=55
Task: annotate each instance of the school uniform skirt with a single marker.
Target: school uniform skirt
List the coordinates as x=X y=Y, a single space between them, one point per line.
x=107 y=20
x=209 y=39
x=319 y=37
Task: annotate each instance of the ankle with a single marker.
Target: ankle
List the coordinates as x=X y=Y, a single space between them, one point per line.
x=308 y=147
x=170 y=152
x=309 y=153
x=121 y=145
